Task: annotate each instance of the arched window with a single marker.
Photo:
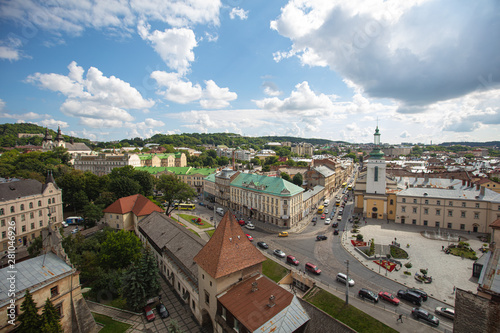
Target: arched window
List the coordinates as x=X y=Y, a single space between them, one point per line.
x=48 y=201
x=391 y=202
x=31 y=205
x=22 y=207
x=12 y=209
x=39 y=203
x=2 y=212
x=375 y=175
x=53 y=200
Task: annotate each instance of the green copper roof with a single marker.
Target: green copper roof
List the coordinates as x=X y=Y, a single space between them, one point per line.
x=210 y=178
x=178 y=170
x=270 y=185
x=145 y=157
x=151 y=170
x=376 y=154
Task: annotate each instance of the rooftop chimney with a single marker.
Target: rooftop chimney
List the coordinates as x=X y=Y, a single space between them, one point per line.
x=254 y=286
x=271 y=301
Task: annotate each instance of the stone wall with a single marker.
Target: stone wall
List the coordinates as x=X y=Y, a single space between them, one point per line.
x=474 y=313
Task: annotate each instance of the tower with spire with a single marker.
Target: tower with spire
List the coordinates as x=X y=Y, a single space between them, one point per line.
x=375 y=180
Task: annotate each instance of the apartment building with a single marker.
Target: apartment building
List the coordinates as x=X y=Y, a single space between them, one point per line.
x=303 y=149
x=103 y=164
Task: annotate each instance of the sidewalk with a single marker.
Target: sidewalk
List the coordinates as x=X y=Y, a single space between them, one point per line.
x=201 y=232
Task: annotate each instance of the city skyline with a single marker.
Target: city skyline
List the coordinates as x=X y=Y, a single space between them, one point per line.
x=427 y=69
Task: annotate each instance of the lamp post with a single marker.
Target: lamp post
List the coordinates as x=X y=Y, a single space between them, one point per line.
x=347 y=284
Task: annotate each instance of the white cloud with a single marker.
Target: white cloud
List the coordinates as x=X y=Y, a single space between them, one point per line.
x=2 y=104
x=9 y=53
x=53 y=123
x=237 y=12
x=95 y=96
x=175 y=46
x=181 y=91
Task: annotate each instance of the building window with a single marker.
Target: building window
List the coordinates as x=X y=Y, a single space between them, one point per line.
x=414 y=221
x=449 y=225
x=59 y=309
x=31 y=205
x=462 y=227
x=236 y=326
x=403 y=209
x=203 y=276
x=426 y=201
x=464 y=204
x=23 y=228
x=210 y=283
x=284 y=202
x=54 y=291
x=223 y=313
x=48 y=201
x=476 y=215
x=192 y=304
x=477 y=205
x=426 y=222
x=404 y=200
x=375 y=175
x=426 y=211
x=12 y=209
x=450 y=203
x=437 y=224
x=41 y=223
x=2 y=223
x=23 y=217
x=39 y=203
x=391 y=202
x=32 y=215
x=414 y=200
x=438 y=212
x=117 y=226
x=207 y=298
x=4 y=234
x=2 y=211
x=40 y=213
x=32 y=226
x=414 y=209
x=450 y=213
x=462 y=214
x=438 y=202
x=22 y=207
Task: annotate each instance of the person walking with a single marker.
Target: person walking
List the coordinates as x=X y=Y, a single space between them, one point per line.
x=400 y=318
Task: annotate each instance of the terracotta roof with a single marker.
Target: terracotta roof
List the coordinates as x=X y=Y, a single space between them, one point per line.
x=252 y=309
x=495 y=224
x=228 y=251
x=138 y=204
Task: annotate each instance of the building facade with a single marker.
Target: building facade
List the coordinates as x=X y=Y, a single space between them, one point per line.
x=103 y=164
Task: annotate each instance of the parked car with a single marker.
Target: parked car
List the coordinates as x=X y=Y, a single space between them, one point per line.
x=241 y=222
x=388 y=297
x=64 y=224
x=422 y=293
x=410 y=296
x=419 y=313
x=335 y=225
x=341 y=277
x=321 y=237
x=74 y=231
x=335 y=231
x=323 y=216
x=292 y=260
x=313 y=268
x=327 y=221
x=148 y=312
x=314 y=219
x=162 y=310
x=341 y=211
x=210 y=207
x=326 y=211
x=250 y=238
x=368 y=294
x=279 y=253
x=339 y=218
x=446 y=312
x=249 y=226
x=283 y=234
x=263 y=245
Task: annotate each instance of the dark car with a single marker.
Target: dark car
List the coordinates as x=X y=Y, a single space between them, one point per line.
x=263 y=245
x=388 y=297
x=422 y=293
x=336 y=231
x=368 y=294
x=314 y=219
x=410 y=296
x=150 y=315
x=335 y=225
x=419 y=313
x=321 y=237
x=210 y=207
x=162 y=310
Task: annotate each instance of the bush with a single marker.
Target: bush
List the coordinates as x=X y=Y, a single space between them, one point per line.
x=359 y=237
x=407 y=273
x=423 y=271
x=408 y=265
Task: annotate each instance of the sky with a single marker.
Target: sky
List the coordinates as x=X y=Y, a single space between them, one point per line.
x=423 y=71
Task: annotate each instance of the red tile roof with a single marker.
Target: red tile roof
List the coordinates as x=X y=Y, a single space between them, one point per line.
x=495 y=224
x=137 y=204
x=228 y=251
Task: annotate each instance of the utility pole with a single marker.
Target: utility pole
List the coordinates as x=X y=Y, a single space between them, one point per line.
x=347 y=284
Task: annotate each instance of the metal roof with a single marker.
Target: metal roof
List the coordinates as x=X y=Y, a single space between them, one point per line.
x=461 y=193
x=288 y=320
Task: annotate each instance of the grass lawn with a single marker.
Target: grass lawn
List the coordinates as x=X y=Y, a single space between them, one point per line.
x=210 y=232
x=110 y=325
x=469 y=254
x=398 y=253
x=273 y=270
x=188 y=218
x=349 y=315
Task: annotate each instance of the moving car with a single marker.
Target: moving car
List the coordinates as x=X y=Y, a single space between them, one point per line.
x=327 y=221
x=410 y=296
x=326 y=211
x=74 y=231
x=388 y=297
x=292 y=260
x=422 y=293
x=263 y=245
x=336 y=231
x=241 y=222
x=283 y=234
x=313 y=268
x=339 y=217
x=162 y=310
x=419 y=313
x=148 y=312
x=323 y=216
x=446 y=312
x=249 y=226
x=321 y=237
x=368 y=294
x=335 y=225
x=341 y=277
x=314 y=219
x=250 y=238
x=279 y=253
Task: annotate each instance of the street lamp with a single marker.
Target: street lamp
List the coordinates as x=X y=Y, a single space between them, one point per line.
x=347 y=284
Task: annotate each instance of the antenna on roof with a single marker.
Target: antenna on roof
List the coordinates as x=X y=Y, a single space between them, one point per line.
x=254 y=286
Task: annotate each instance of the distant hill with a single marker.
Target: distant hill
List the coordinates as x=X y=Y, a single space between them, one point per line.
x=489 y=144
x=9 y=135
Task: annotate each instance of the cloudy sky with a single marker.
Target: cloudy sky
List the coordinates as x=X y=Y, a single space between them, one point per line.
x=425 y=70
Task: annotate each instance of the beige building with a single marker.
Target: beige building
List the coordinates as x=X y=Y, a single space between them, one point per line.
x=26 y=207
x=321 y=175
x=103 y=164
x=303 y=149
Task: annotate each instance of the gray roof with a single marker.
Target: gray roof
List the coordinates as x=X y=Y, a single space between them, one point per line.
x=32 y=273
x=489 y=278
x=77 y=146
x=307 y=194
x=287 y=320
x=20 y=189
x=324 y=170
x=460 y=193
x=428 y=182
x=180 y=244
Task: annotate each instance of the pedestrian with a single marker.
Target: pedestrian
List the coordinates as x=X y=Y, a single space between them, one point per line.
x=400 y=317
x=442 y=248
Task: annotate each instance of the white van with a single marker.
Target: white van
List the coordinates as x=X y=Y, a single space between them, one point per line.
x=220 y=211
x=341 y=277
x=326 y=203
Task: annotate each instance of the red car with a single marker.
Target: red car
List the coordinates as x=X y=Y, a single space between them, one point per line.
x=388 y=297
x=150 y=315
x=241 y=222
x=250 y=238
x=323 y=216
x=292 y=260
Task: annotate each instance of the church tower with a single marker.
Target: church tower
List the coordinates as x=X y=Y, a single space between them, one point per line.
x=375 y=180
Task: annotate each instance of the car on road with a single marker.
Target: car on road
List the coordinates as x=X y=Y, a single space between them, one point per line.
x=335 y=225
x=341 y=211
x=74 y=231
x=323 y=216
x=326 y=211
x=64 y=224
x=250 y=226
x=313 y=268
x=339 y=218
x=148 y=312
x=341 y=277
x=250 y=238
x=410 y=296
x=446 y=312
x=335 y=231
x=292 y=260
x=419 y=313
x=327 y=221
x=162 y=310
x=368 y=294
x=388 y=297
x=283 y=234
x=241 y=222
x=314 y=219
x=279 y=253
x=263 y=245
x=321 y=237
x=210 y=207
x=422 y=293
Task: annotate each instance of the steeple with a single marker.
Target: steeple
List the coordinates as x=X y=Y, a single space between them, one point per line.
x=376 y=153
x=59 y=136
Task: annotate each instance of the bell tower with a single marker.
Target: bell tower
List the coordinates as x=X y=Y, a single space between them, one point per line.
x=375 y=180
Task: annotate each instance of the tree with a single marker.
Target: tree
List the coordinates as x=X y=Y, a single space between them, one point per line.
x=29 y=318
x=133 y=289
x=92 y=213
x=144 y=179
x=50 y=321
x=297 y=179
x=286 y=176
x=174 y=189
x=408 y=265
x=35 y=247
x=124 y=187
x=120 y=249
x=150 y=274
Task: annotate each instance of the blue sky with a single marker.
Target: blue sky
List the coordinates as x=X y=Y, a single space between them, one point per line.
x=427 y=70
